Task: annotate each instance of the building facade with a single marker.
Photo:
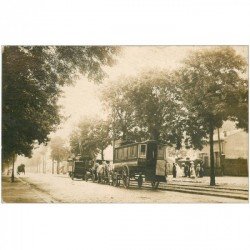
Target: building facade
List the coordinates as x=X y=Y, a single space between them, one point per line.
x=230 y=152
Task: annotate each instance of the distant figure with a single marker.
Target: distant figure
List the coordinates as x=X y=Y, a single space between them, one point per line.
x=186 y=170
x=197 y=170
x=174 y=170
x=192 y=171
x=201 y=174
x=21 y=169
x=183 y=169
x=189 y=170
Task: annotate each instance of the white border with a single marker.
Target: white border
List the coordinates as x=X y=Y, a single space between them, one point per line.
x=140 y=22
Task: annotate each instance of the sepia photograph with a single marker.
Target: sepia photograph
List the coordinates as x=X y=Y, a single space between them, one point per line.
x=125 y=124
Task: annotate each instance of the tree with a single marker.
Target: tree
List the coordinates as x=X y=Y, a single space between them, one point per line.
x=115 y=97
x=100 y=135
x=146 y=107
x=91 y=137
x=80 y=140
x=32 y=77
x=214 y=88
x=59 y=151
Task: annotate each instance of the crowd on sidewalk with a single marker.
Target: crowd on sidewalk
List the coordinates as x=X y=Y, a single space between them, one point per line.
x=188 y=170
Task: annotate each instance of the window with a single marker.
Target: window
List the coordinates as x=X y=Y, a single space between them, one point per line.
x=143 y=148
x=116 y=154
x=125 y=153
x=120 y=154
x=135 y=151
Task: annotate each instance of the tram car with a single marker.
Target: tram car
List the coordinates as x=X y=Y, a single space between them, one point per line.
x=139 y=161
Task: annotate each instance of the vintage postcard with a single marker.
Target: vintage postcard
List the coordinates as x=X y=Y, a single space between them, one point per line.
x=125 y=124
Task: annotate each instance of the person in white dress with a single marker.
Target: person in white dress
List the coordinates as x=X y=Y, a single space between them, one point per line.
x=192 y=170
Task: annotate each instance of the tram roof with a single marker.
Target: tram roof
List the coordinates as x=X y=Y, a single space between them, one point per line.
x=135 y=143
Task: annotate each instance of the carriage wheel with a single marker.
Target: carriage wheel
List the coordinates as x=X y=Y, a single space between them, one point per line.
x=125 y=178
x=140 y=180
x=155 y=184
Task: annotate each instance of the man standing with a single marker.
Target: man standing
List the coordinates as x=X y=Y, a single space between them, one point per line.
x=174 y=170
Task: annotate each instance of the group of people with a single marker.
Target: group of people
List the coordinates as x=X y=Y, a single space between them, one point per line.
x=188 y=170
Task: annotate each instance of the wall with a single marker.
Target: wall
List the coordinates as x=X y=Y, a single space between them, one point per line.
x=235 y=167
x=236 y=146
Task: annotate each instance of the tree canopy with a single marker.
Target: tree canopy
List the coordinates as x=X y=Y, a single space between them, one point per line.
x=90 y=137
x=145 y=107
x=214 y=88
x=59 y=150
x=31 y=81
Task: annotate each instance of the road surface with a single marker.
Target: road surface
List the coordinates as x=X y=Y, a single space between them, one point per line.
x=60 y=188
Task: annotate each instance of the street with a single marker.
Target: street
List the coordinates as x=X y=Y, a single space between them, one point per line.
x=47 y=188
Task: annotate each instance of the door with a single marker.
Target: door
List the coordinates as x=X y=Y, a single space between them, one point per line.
x=151 y=157
x=161 y=162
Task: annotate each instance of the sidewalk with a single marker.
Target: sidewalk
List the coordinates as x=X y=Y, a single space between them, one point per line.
x=18 y=192
x=230 y=182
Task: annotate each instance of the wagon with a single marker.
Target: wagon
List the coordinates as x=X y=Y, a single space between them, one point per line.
x=80 y=167
x=141 y=161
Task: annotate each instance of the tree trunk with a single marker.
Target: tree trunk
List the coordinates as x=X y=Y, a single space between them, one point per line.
x=102 y=154
x=155 y=135
x=53 y=166
x=57 y=167
x=12 y=173
x=211 y=142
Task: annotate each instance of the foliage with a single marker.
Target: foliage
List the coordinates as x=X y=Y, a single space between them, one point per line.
x=59 y=150
x=116 y=99
x=91 y=137
x=146 y=107
x=214 y=89
x=32 y=76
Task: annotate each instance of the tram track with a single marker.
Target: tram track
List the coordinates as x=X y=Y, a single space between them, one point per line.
x=237 y=193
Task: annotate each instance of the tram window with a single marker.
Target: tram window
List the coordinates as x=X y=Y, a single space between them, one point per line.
x=132 y=152
x=125 y=153
x=135 y=151
x=143 y=148
x=120 y=154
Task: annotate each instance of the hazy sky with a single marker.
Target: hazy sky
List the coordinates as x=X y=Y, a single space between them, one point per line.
x=82 y=99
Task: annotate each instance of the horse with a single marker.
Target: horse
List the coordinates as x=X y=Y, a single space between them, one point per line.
x=102 y=173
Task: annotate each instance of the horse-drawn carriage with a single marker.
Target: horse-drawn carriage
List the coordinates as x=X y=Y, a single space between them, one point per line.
x=140 y=161
x=21 y=169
